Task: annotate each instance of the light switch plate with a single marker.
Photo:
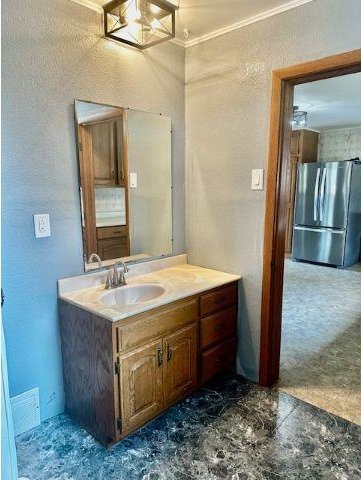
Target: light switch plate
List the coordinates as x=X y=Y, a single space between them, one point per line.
x=133 y=180
x=42 y=225
x=257 y=179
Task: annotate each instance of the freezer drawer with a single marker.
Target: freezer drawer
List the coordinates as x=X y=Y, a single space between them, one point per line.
x=319 y=245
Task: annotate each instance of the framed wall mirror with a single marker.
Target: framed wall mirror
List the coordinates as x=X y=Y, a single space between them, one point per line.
x=125 y=181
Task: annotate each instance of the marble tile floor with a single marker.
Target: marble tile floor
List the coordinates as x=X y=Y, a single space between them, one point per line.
x=231 y=429
x=321 y=338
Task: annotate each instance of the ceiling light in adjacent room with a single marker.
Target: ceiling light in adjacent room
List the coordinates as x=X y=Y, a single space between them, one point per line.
x=299 y=118
x=139 y=23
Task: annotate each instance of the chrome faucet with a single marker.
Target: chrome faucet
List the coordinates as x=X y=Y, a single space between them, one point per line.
x=117 y=278
x=95 y=256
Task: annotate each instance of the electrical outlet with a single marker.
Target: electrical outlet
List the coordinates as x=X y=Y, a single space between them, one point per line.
x=42 y=225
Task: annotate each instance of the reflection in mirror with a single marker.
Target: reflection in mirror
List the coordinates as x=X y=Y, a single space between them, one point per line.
x=125 y=183
x=150 y=185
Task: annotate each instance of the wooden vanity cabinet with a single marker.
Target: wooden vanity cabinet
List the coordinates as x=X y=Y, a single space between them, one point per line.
x=218 y=327
x=157 y=375
x=120 y=375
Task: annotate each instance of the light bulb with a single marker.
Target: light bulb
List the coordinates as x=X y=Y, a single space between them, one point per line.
x=132 y=13
x=133 y=28
x=154 y=9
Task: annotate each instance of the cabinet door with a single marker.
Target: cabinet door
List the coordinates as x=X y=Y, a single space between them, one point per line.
x=308 y=146
x=295 y=142
x=107 y=152
x=141 y=386
x=113 y=248
x=290 y=205
x=180 y=364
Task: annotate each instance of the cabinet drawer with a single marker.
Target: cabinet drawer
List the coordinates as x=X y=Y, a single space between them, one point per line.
x=218 y=300
x=151 y=326
x=111 y=232
x=113 y=248
x=218 y=358
x=219 y=326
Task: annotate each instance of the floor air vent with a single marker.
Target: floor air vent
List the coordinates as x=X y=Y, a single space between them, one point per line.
x=26 y=411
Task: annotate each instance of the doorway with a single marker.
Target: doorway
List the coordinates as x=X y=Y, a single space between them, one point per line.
x=320 y=360
x=283 y=85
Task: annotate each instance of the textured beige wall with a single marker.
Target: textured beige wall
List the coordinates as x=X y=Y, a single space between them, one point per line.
x=227 y=123
x=52 y=53
x=339 y=144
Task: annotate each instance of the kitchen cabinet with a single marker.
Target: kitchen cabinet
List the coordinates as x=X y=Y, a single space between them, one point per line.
x=113 y=242
x=304 y=149
x=112 y=249
x=107 y=153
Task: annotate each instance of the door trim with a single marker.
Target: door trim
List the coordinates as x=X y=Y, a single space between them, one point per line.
x=283 y=82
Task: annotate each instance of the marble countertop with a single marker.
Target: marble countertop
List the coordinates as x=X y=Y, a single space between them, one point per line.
x=178 y=281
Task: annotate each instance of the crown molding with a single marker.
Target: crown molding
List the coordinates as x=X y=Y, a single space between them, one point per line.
x=246 y=22
x=221 y=31
x=332 y=129
x=179 y=42
x=89 y=4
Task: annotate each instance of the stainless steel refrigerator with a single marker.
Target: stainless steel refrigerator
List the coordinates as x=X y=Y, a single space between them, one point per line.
x=327 y=225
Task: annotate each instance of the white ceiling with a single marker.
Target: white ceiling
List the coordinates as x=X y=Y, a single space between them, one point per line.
x=203 y=18
x=331 y=103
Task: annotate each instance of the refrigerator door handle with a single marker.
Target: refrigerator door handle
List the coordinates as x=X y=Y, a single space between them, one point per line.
x=320 y=230
x=322 y=194
x=316 y=195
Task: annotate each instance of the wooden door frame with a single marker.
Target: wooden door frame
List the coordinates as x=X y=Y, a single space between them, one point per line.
x=283 y=83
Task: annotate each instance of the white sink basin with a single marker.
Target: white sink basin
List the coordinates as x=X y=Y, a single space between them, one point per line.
x=132 y=294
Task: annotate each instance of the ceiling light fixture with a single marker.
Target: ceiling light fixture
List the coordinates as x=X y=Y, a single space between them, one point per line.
x=299 y=118
x=139 y=23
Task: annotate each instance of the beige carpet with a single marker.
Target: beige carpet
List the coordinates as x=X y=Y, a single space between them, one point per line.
x=321 y=338
x=356 y=267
